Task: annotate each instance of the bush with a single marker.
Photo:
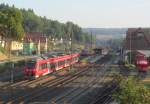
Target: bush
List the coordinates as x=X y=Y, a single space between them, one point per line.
x=20 y=63
x=2 y=50
x=131 y=92
x=130 y=66
x=5 y=66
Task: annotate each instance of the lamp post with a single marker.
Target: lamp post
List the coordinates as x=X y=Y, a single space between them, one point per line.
x=70 y=43
x=11 y=63
x=53 y=42
x=71 y=49
x=130 y=49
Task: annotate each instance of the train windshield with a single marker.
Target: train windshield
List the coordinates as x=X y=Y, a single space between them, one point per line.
x=30 y=65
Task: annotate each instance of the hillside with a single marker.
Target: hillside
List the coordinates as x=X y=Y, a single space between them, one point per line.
x=106 y=33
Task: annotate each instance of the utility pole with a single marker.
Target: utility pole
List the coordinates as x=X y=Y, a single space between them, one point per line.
x=70 y=41
x=95 y=40
x=130 y=49
x=91 y=40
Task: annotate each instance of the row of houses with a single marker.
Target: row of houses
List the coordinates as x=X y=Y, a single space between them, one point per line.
x=137 y=40
x=32 y=43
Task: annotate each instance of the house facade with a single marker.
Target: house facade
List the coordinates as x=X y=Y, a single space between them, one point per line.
x=34 y=43
x=16 y=47
x=137 y=40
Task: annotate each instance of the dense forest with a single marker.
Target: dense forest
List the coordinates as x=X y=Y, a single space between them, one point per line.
x=31 y=22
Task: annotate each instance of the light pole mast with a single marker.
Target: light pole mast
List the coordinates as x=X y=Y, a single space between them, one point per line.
x=95 y=40
x=71 y=49
x=130 y=49
x=91 y=40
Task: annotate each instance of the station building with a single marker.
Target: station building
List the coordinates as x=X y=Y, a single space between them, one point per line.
x=137 y=40
x=34 y=43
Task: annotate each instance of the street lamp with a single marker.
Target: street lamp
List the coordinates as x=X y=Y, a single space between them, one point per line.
x=53 y=43
x=71 y=49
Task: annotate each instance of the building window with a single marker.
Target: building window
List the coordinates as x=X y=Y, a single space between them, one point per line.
x=140 y=34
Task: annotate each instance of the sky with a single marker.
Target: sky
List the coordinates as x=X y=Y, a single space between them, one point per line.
x=91 y=13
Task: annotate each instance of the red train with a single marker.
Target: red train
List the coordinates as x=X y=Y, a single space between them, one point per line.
x=48 y=63
x=141 y=62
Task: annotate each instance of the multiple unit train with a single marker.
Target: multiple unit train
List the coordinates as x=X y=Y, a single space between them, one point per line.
x=48 y=63
x=141 y=62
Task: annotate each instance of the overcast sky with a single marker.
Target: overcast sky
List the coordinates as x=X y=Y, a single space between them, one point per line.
x=91 y=13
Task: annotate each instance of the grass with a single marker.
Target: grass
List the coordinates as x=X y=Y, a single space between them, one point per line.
x=130 y=66
x=2 y=50
x=146 y=84
x=4 y=67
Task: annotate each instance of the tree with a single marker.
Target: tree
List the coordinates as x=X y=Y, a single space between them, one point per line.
x=31 y=22
x=132 y=92
x=11 y=23
x=12 y=20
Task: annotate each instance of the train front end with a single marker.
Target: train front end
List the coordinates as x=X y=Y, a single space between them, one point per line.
x=141 y=63
x=30 y=70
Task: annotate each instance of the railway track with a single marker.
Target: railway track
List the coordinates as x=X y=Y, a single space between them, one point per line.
x=76 y=92
x=37 y=92
x=23 y=82
x=105 y=96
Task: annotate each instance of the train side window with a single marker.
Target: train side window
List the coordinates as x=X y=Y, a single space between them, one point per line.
x=48 y=65
x=65 y=61
x=61 y=63
x=43 y=66
x=52 y=65
x=76 y=58
x=69 y=60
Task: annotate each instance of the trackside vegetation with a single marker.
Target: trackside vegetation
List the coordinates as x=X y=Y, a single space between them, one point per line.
x=131 y=91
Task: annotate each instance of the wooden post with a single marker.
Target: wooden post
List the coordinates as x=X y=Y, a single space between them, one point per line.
x=39 y=46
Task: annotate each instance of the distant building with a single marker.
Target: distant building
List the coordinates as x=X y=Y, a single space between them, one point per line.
x=137 y=39
x=101 y=50
x=34 y=43
x=2 y=42
x=16 y=47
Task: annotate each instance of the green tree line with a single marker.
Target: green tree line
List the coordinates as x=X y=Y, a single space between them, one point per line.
x=11 y=28
x=28 y=21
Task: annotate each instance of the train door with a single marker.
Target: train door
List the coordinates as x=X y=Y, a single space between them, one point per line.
x=65 y=63
x=49 y=67
x=61 y=64
x=76 y=59
x=39 y=70
x=43 y=69
x=53 y=67
x=56 y=64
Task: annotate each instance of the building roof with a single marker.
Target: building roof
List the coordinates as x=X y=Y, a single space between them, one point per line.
x=137 y=39
x=34 y=37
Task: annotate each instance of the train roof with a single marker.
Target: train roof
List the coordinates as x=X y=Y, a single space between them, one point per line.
x=55 y=54
x=35 y=59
